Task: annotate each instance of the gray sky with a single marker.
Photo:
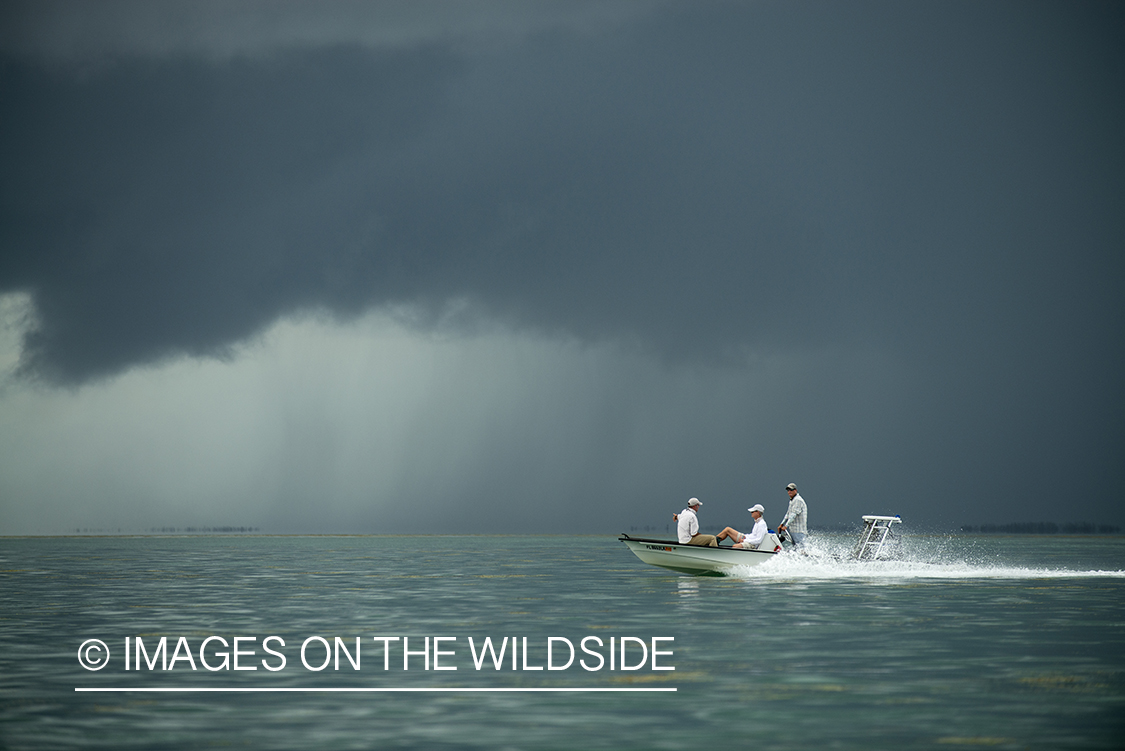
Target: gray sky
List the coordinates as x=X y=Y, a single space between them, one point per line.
x=503 y=267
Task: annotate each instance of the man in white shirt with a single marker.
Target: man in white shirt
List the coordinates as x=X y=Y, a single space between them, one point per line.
x=752 y=540
x=796 y=520
x=687 y=527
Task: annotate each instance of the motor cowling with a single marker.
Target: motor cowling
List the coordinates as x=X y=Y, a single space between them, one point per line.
x=770 y=543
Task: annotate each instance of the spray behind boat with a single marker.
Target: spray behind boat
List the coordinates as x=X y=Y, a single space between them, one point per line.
x=873 y=538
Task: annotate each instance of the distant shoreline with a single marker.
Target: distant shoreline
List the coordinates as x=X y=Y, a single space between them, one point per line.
x=1013 y=528
x=1043 y=528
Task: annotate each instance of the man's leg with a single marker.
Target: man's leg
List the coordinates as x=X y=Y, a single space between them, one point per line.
x=730 y=533
x=705 y=540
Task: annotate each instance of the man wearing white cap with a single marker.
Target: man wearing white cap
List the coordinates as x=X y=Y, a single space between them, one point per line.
x=752 y=540
x=687 y=527
x=796 y=519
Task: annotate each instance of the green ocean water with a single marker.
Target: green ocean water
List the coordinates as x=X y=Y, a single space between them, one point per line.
x=981 y=641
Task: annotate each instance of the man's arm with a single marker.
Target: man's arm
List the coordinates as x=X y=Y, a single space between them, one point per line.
x=785 y=519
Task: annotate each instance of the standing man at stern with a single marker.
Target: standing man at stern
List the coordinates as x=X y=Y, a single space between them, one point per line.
x=687 y=526
x=796 y=520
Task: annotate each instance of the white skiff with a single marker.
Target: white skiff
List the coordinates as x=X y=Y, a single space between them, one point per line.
x=696 y=559
x=706 y=561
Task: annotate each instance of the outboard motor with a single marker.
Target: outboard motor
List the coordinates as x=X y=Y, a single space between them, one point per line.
x=772 y=541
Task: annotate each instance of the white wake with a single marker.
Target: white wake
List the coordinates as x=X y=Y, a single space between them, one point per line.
x=830 y=559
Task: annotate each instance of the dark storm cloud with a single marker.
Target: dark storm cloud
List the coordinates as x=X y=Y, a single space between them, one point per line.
x=705 y=181
x=156 y=207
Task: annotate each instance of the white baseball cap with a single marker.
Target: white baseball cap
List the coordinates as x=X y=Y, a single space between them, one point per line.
x=694 y=502
x=757 y=507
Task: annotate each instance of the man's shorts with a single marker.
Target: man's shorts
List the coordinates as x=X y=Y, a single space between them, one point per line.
x=705 y=540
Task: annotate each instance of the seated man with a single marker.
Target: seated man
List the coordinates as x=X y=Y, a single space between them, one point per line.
x=752 y=540
x=687 y=527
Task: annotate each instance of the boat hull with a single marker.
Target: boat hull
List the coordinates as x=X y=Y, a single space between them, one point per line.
x=694 y=559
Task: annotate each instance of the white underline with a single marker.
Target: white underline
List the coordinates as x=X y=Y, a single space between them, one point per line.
x=265 y=689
